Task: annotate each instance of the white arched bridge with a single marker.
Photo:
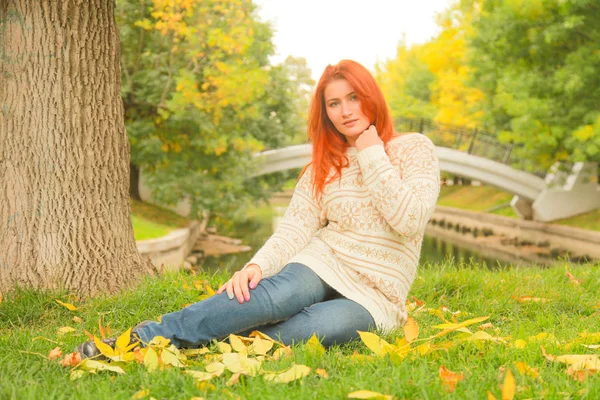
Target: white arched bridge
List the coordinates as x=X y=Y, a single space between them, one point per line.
x=543 y=197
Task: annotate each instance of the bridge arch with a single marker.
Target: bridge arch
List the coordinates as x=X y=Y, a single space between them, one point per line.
x=519 y=183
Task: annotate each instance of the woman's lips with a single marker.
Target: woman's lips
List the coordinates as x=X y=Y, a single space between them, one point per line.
x=350 y=123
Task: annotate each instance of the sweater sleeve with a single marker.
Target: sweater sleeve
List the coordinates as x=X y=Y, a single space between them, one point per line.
x=405 y=200
x=300 y=222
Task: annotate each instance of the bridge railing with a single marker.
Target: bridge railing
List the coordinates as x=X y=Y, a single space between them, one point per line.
x=472 y=141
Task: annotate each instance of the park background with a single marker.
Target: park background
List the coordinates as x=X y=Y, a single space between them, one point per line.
x=201 y=96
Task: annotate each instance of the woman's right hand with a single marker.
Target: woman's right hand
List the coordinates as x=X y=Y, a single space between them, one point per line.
x=241 y=282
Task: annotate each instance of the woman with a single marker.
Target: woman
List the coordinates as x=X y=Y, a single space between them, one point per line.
x=345 y=254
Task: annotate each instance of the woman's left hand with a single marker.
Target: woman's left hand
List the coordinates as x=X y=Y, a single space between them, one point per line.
x=368 y=138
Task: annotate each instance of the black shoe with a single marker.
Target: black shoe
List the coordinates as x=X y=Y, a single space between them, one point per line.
x=90 y=350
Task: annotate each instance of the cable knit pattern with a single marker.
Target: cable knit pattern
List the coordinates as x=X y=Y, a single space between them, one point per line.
x=364 y=236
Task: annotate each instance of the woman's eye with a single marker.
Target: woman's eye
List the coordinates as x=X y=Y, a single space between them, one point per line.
x=333 y=104
x=354 y=97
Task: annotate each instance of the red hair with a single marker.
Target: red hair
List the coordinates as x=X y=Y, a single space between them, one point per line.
x=329 y=145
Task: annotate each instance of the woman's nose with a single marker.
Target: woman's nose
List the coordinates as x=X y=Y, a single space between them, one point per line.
x=346 y=109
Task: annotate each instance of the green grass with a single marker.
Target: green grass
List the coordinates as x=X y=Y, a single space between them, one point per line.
x=485 y=198
x=466 y=290
x=151 y=222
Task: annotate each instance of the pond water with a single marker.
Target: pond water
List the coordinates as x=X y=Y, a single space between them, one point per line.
x=259 y=227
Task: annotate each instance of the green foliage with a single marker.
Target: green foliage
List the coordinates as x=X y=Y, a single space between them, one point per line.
x=200 y=98
x=538 y=64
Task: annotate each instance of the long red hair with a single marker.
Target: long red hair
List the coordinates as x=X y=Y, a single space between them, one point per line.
x=329 y=145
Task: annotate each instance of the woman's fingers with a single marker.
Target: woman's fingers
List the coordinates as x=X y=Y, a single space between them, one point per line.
x=238 y=282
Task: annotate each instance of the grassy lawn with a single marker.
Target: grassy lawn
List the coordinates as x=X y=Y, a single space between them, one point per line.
x=485 y=198
x=151 y=222
x=29 y=324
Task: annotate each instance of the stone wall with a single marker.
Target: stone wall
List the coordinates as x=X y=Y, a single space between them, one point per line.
x=173 y=248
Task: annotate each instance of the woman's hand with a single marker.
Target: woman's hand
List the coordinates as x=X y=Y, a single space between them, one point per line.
x=241 y=282
x=368 y=138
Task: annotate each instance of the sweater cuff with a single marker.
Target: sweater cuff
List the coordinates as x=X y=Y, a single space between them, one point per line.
x=371 y=157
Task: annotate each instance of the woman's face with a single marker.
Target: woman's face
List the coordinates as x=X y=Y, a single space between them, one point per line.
x=344 y=110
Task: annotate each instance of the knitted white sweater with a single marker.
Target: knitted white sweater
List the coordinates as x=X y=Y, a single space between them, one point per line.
x=364 y=236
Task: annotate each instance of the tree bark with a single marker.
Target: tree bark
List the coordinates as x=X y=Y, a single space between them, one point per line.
x=134 y=182
x=64 y=155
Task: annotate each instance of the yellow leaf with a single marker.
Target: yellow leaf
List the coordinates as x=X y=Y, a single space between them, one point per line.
x=282 y=352
x=200 y=376
x=265 y=337
x=151 y=359
x=377 y=345
x=237 y=344
x=65 y=329
x=322 y=373
x=195 y=352
x=424 y=349
x=529 y=299
x=204 y=386
x=232 y=362
x=77 y=319
x=520 y=344
x=411 y=329
x=223 y=347
x=123 y=341
x=484 y=336
x=141 y=394
x=314 y=346
x=67 y=305
x=210 y=290
x=367 y=394
x=525 y=369
x=169 y=357
x=234 y=379
x=76 y=374
x=447 y=328
x=105 y=349
x=93 y=366
x=509 y=386
x=291 y=374
x=159 y=342
x=216 y=368
x=260 y=346
x=491 y=396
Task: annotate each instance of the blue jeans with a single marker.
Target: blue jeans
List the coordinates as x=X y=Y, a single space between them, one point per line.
x=290 y=306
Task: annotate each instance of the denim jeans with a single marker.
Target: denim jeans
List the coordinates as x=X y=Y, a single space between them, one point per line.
x=290 y=306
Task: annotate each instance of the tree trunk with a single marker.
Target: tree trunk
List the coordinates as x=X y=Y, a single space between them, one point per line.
x=134 y=182
x=64 y=155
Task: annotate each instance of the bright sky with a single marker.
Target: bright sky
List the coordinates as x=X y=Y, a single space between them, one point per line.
x=367 y=31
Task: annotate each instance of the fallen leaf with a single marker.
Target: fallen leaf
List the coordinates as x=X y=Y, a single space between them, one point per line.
x=322 y=373
x=77 y=319
x=581 y=375
x=216 y=368
x=234 y=379
x=260 y=346
x=575 y=361
x=55 y=353
x=141 y=394
x=526 y=370
x=411 y=329
x=151 y=359
x=64 y=330
x=450 y=379
x=367 y=394
x=237 y=344
x=509 y=386
x=76 y=374
x=520 y=344
x=282 y=352
x=195 y=352
x=490 y=396
x=71 y=360
x=200 y=376
x=451 y=327
x=67 y=305
x=314 y=346
x=94 y=366
x=293 y=373
x=487 y=325
x=377 y=345
x=204 y=386
x=529 y=299
x=573 y=280
x=223 y=347
x=592 y=346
